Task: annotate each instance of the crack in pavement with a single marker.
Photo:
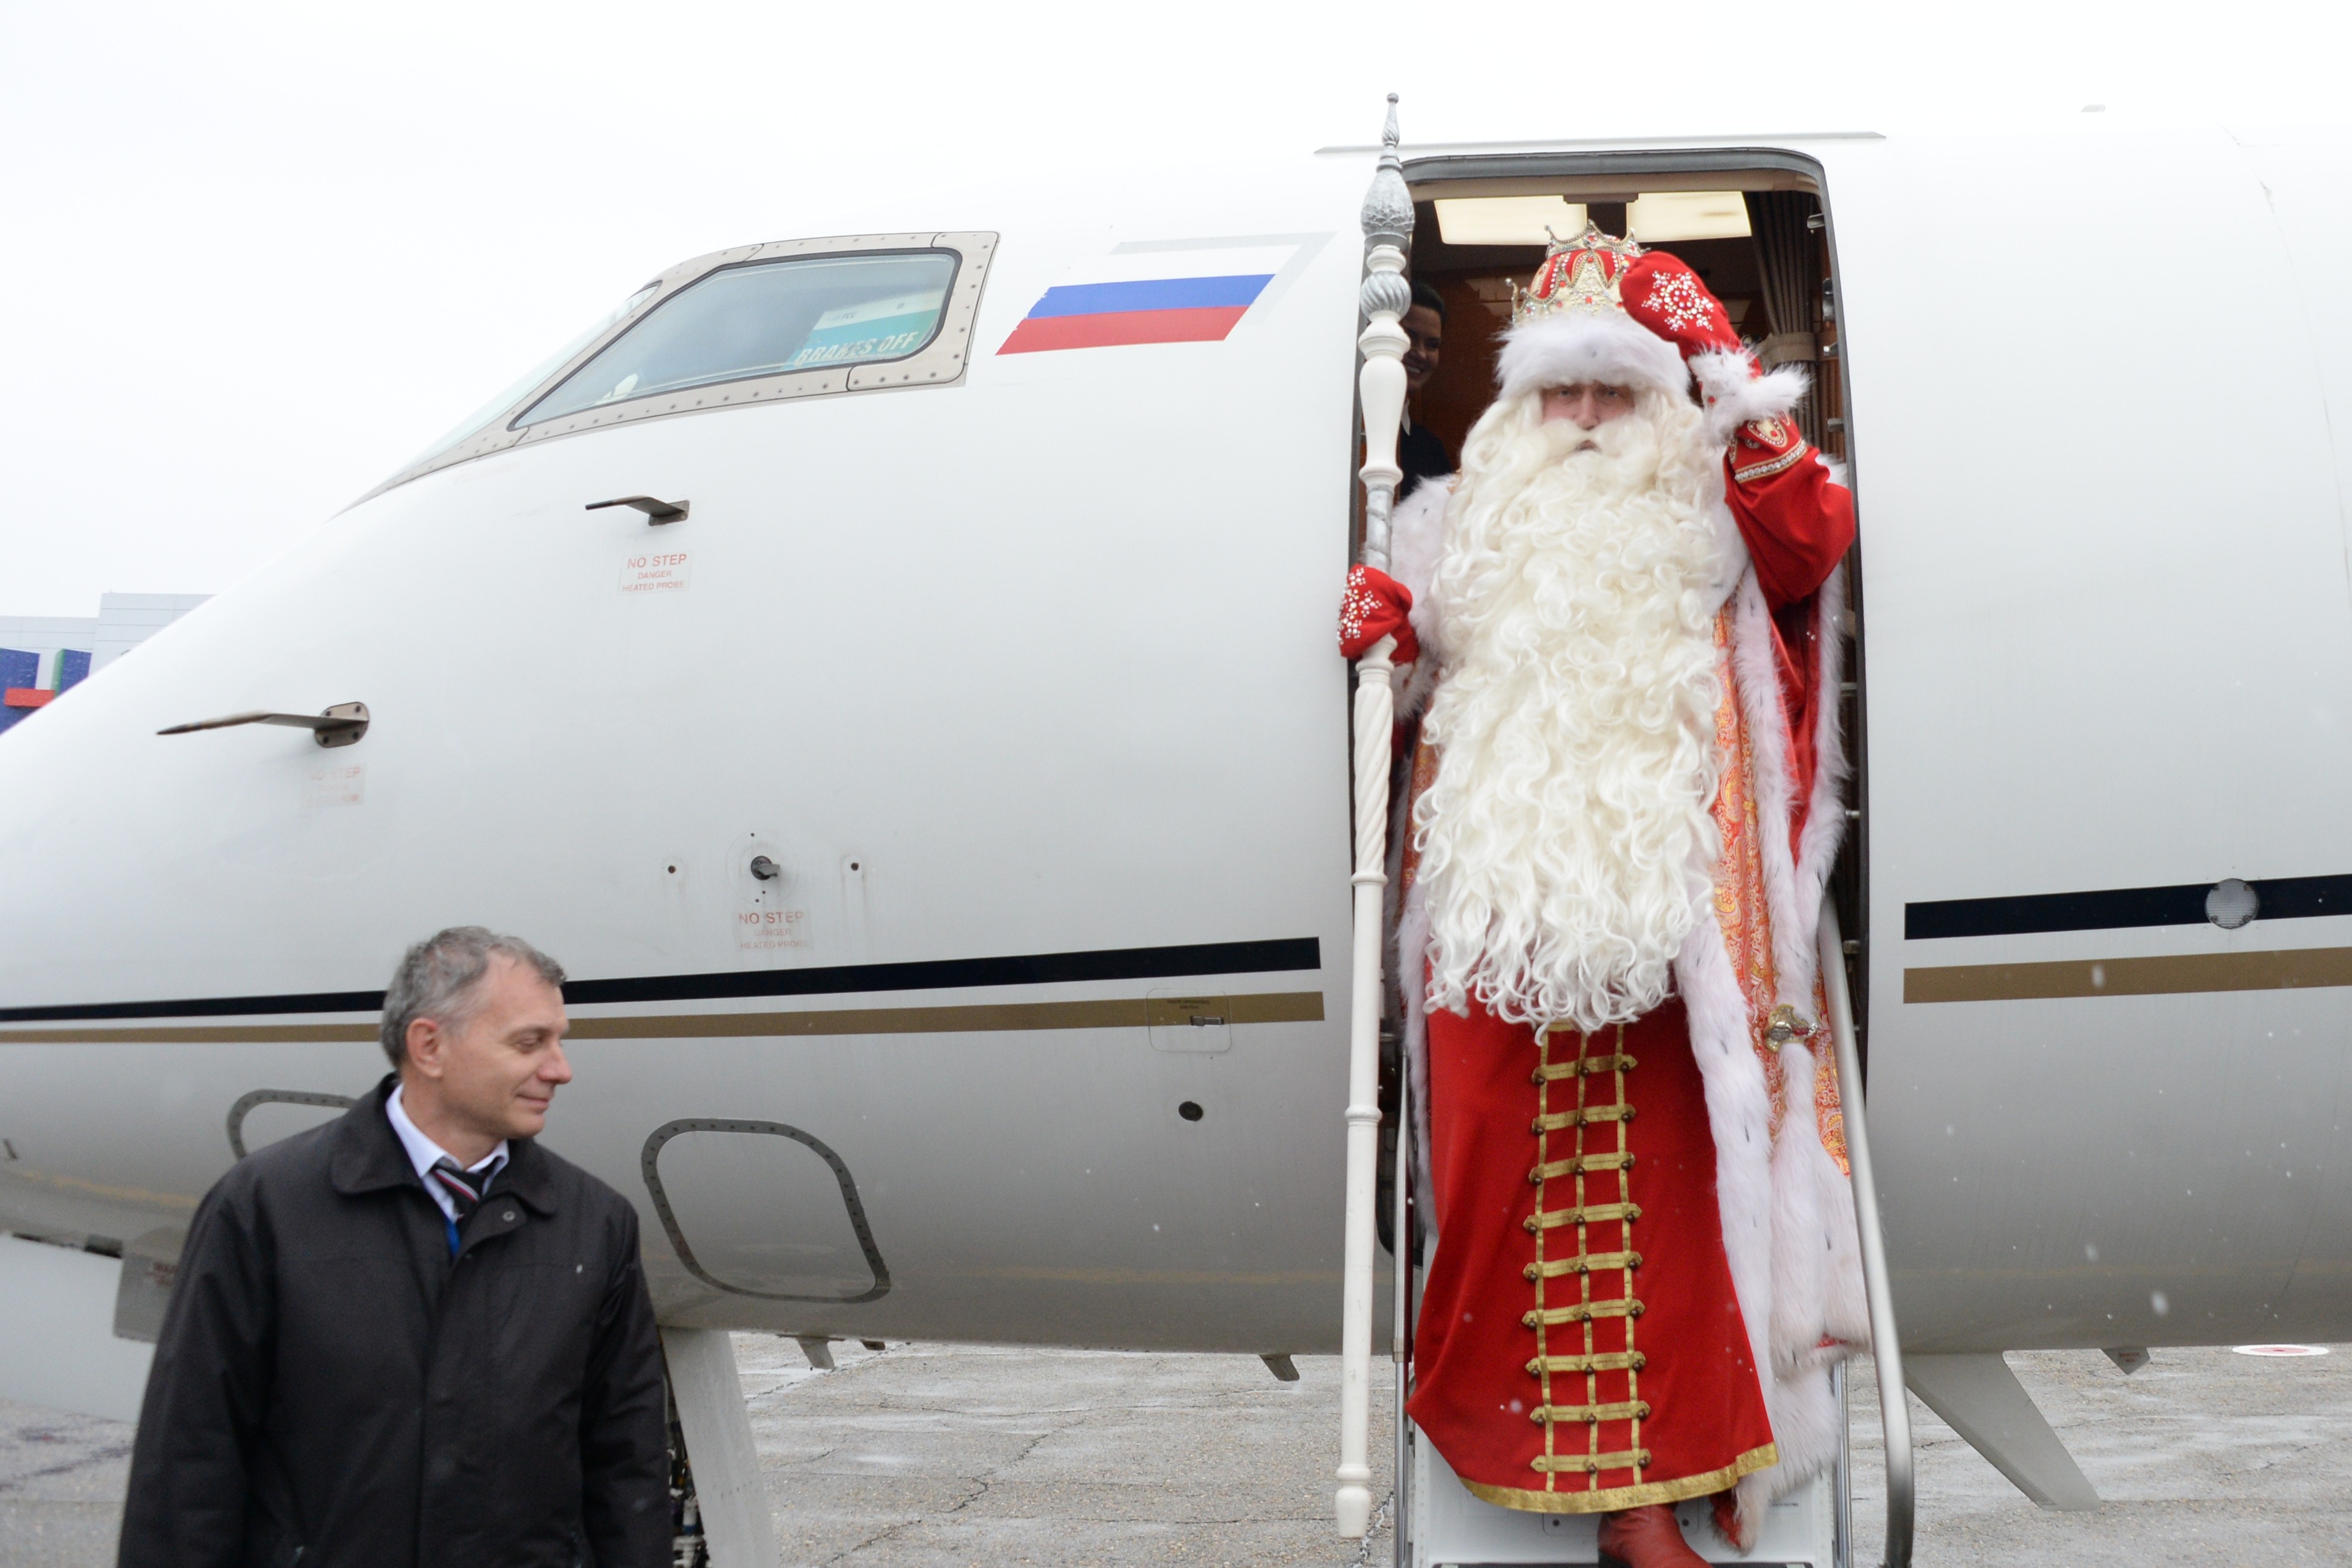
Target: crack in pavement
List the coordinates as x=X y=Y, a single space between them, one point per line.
x=981 y=1486
x=988 y=1481
x=871 y=1540
x=808 y=1459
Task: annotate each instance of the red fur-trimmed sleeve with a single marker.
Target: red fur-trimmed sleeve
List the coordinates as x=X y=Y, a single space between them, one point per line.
x=1796 y=519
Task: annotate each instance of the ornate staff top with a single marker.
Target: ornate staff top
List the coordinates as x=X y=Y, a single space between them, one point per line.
x=1388 y=205
x=1384 y=298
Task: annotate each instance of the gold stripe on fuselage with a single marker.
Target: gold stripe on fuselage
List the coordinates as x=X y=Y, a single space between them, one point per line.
x=2290 y=968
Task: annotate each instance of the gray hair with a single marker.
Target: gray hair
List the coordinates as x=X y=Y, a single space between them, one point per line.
x=437 y=978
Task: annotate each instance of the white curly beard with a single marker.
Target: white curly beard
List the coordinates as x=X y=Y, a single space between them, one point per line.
x=1565 y=842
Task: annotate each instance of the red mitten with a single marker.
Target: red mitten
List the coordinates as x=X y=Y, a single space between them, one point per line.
x=1375 y=606
x=1666 y=295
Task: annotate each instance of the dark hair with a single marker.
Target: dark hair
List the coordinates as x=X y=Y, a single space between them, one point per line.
x=1429 y=298
x=436 y=979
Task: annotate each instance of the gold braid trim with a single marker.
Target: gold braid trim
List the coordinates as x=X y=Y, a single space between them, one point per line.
x=1623 y=1410
x=1551 y=1169
x=1617 y=1498
x=1586 y=1118
x=1583 y=1312
x=1584 y=1263
x=1605 y=1361
x=1591 y=1213
x=1552 y=1072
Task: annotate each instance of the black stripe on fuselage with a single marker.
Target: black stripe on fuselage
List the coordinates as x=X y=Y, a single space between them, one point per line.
x=2280 y=898
x=944 y=973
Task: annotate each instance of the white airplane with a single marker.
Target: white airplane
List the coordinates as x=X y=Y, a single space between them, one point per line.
x=893 y=671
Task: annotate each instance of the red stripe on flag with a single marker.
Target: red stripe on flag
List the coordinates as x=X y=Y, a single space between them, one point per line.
x=1204 y=325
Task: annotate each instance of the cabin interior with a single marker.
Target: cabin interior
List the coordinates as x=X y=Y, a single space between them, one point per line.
x=1755 y=237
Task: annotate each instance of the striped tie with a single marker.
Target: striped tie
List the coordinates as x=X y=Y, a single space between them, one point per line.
x=463 y=1190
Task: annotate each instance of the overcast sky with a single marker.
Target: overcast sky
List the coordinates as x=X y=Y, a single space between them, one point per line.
x=257 y=256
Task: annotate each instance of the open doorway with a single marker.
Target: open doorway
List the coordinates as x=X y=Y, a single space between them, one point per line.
x=1756 y=227
x=1756 y=238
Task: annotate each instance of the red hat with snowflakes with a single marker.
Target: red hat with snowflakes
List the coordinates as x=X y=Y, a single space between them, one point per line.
x=1603 y=308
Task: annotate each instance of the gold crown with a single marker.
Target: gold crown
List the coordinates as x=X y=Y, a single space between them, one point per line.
x=1581 y=274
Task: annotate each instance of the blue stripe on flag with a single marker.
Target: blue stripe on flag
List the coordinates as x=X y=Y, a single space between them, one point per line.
x=1151 y=293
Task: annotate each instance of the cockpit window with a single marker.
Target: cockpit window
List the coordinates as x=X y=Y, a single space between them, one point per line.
x=751 y=326
x=766 y=319
x=538 y=372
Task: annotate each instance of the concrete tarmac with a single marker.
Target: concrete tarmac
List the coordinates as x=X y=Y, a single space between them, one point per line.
x=936 y=1454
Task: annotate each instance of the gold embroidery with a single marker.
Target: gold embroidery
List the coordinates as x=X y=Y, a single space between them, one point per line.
x=1787 y=460
x=1615 y=1498
x=1745 y=916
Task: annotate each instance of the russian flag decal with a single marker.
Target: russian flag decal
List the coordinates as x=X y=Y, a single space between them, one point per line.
x=1157 y=295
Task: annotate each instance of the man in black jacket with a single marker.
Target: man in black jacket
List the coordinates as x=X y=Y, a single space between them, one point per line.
x=413 y=1336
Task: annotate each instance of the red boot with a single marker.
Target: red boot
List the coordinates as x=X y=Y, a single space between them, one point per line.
x=1645 y=1537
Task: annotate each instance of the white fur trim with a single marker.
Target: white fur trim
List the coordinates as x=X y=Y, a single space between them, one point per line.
x=1736 y=394
x=1417 y=540
x=1588 y=346
x=1845 y=1310
x=1816 y=1280
x=1825 y=812
x=1730 y=547
x=1417 y=537
x=1738 y=1115
x=1807 y=1426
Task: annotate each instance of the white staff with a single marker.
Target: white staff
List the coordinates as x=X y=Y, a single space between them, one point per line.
x=1381 y=387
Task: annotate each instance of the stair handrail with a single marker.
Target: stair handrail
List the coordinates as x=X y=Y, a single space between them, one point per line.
x=1886 y=1350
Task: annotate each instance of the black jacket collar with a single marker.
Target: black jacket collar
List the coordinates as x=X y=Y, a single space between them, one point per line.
x=368 y=1157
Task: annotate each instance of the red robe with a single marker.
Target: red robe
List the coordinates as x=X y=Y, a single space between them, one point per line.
x=1581 y=1345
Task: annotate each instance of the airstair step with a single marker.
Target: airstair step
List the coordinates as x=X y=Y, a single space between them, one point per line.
x=1452 y=1529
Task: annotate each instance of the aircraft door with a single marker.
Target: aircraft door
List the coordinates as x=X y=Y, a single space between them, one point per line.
x=2108 y=667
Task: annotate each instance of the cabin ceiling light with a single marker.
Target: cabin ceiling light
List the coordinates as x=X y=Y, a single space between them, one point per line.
x=1509 y=220
x=1664 y=216
x=1655 y=217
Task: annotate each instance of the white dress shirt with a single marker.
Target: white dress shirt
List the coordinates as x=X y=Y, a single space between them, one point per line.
x=424 y=1153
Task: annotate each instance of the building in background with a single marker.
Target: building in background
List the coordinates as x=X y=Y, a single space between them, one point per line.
x=42 y=656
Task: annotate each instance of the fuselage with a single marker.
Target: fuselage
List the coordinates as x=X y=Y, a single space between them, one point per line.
x=1021 y=680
